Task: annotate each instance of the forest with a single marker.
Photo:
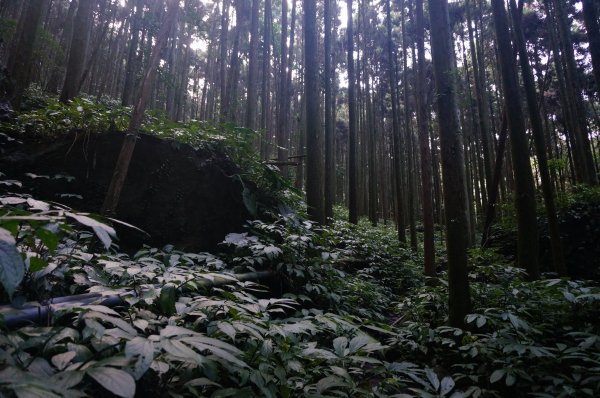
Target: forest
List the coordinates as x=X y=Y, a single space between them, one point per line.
x=283 y=198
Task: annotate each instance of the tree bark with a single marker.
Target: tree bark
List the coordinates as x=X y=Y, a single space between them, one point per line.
x=427 y=194
x=540 y=144
x=251 y=102
x=352 y=169
x=314 y=162
x=77 y=53
x=527 y=241
x=452 y=163
x=20 y=59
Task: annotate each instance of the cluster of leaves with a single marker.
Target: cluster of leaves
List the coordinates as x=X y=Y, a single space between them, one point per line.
x=523 y=338
x=172 y=333
x=354 y=317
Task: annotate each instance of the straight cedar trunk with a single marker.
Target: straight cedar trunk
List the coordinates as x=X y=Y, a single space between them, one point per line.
x=582 y=141
x=590 y=19
x=266 y=78
x=352 y=166
x=459 y=298
x=540 y=142
x=482 y=102
x=223 y=60
x=20 y=60
x=314 y=162
x=426 y=168
x=77 y=53
x=252 y=68
x=282 y=96
x=527 y=236
x=396 y=139
x=130 y=71
x=494 y=188
x=118 y=179
x=329 y=122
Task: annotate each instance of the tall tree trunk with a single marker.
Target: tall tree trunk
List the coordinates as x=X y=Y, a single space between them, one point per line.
x=314 y=161
x=118 y=179
x=582 y=140
x=77 y=53
x=282 y=96
x=427 y=195
x=540 y=144
x=408 y=134
x=223 y=59
x=266 y=78
x=396 y=138
x=452 y=163
x=329 y=122
x=130 y=71
x=20 y=59
x=590 y=19
x=352 y=136
x=527 y=236
x=252 y=68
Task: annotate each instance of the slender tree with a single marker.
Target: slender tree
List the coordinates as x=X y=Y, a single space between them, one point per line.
x=118 y=179
x=426 y=167
x=452 y=163
x=314 y=162
x=527 y=241
x=329 y=122
x=540 y=141
x=252 y=68
x=20 y=59
x=352 y=166
x=78 y=51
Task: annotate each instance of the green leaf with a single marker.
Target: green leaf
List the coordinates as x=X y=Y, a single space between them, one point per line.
x=12 y=268
x=167 y=299
x=114 y=380
x=102 y=231
x=37 y=264
x=497 y=375
x=228 y=329
x=143 y=349
x=48 y=238
x=62 y=360
x=446 y=385
x=339 y=346
x=330 y=382
x=433 y=378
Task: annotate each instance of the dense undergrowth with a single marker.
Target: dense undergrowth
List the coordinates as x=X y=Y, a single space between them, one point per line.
x=347 y=314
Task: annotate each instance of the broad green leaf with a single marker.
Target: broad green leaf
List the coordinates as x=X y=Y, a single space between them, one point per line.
x=12 y=268
x=339 y=346
x=48 y=238
x=114 y=380
x=37 y=264
x=34 y=391
x=143 y=349
x=446 y=385
x=330 y=382
x=67 y=379
x=228 y=329
x=102 y=231
x=62 y=360
x=358 y=342
x=497 y=375
x=433 y=378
